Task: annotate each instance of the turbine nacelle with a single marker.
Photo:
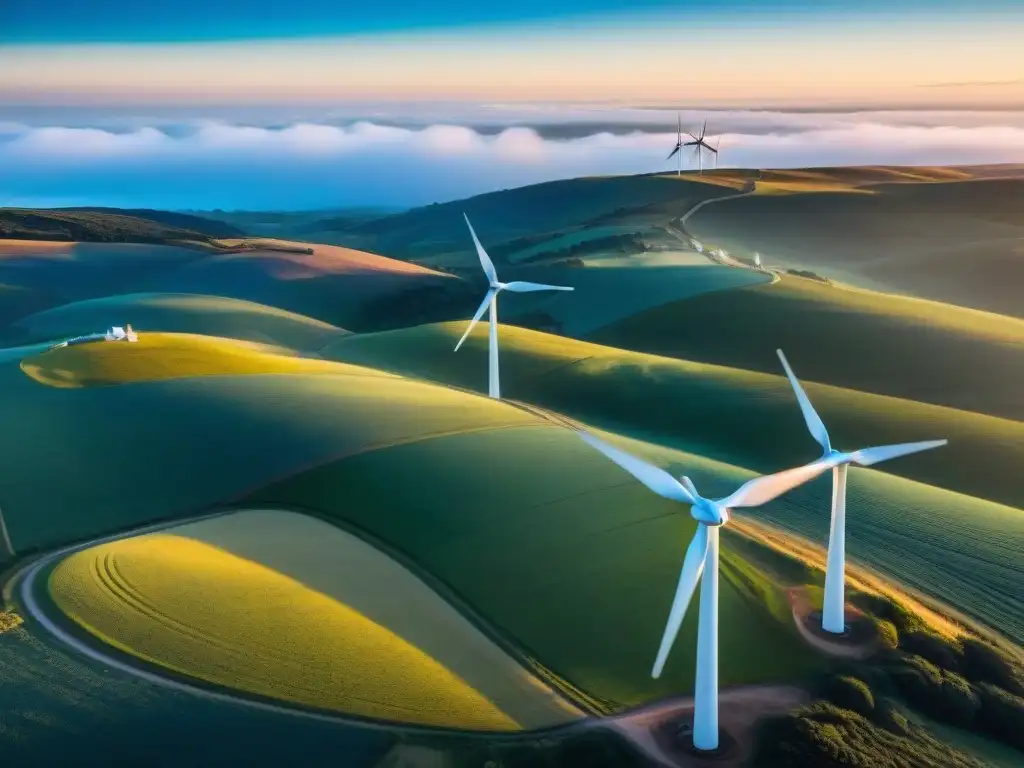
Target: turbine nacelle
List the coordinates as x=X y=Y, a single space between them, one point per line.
x=704 y=511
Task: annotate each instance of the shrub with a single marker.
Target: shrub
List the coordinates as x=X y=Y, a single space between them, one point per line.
x=1002 y=715
x=887 y=634
x=851 y=693
x=884 y=608
x=984 y=663
x=930 y=646
x=939 y=693
x=824 y=736
x=888 y=716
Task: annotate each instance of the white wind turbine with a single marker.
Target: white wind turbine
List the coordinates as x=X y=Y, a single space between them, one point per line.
x=701 y=564
x=491 y=301
x=833 y=615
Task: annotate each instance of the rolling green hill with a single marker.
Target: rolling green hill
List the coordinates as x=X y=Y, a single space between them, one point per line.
x=933 y=539
x=908 y=348
x=741 y=417
x=960 y=242
x=401 y=445
x=160 y=447
x=340 y=286
x=437 y=233
x=181 y=313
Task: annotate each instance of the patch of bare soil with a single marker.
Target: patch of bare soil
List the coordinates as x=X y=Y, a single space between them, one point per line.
x=656 y=729
x=857 y=643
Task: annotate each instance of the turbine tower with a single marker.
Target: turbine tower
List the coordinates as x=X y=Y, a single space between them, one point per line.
x=679 y=146
x=833 y=618
x=491 y=302
x=701 y=564
x=700 y=144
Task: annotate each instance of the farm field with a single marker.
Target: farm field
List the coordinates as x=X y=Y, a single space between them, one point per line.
x=339 y=625
x=552 y=546
x=181 y=313
x=705 y=408
x=908 y=348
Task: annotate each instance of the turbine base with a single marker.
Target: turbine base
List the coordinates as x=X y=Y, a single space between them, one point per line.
x=725 y=750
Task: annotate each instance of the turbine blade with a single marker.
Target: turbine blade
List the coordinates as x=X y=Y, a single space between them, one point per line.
x=704 y=129
x=814 y=423
x=518 y=286
x=488 y=297
x=692 y=136
x=693 y=565
x=655 y=478
x=868 y=456
x=485 y=260
x=691 y=143
x=761 y=490
x=673 y=154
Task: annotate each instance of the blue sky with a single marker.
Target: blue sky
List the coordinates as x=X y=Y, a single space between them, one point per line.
x=64 y=21
x=322 y=103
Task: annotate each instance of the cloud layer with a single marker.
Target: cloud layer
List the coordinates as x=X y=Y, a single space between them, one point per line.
x=207 y=164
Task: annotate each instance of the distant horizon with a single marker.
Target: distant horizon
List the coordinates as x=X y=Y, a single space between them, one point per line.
x=397 y=209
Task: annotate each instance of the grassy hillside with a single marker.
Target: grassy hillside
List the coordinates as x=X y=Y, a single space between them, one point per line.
x=108 y=225
x=961 y=242
x=336 y=285
x=70 y=271
x=177 y=446
x=742 y=417
x=199 y=441
x=555 y=547
x=58 y=706
x=181 y=313
x=908 y=348
x=157 y=356
x=438 y=232
x=606 y=294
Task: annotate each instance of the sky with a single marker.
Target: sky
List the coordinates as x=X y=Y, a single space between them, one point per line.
x=231 y=104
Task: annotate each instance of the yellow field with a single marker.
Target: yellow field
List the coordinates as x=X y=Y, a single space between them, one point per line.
x=291 y=608
x=171 y=356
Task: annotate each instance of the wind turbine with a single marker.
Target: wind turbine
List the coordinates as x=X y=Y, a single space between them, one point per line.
x=679 y=146
x=491 y=301
x=701 y=564
x=833 y=618
x=699 y=143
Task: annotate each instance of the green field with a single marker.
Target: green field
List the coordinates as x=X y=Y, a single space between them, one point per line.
x=567 y=555
x=181 y=313
x=137 y=452
x=747 y=418
x=908 y=348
